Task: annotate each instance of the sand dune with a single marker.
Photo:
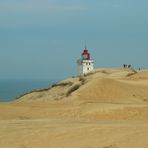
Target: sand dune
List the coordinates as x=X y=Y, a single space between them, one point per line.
x=104 y=109
x=139 y=76
x=109 y=85
x=113 y=91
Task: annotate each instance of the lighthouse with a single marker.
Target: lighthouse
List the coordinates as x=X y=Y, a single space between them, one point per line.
x=85 y=64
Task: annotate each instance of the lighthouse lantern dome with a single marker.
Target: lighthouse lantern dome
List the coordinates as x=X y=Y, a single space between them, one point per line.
x=85 y=55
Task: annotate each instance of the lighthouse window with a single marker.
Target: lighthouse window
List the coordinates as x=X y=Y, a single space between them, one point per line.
x=84 y=57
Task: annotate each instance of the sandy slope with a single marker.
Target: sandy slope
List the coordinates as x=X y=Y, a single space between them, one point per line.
x=105 y=109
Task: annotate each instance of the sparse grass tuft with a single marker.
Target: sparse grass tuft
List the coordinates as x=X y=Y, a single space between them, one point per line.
x=132 y=73
x=36 y=90
x=82 y=80
x=73 y=88
x=62 y=84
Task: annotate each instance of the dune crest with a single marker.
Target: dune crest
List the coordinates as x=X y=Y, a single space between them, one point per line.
x=102 y=85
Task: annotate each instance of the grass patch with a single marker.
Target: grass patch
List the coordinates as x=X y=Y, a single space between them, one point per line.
x=132 y=73
x=82 y=80
x=32 y=91
x=73 y=88
x=62 y=84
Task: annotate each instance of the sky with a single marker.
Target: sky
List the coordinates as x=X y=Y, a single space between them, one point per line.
x=42 y=39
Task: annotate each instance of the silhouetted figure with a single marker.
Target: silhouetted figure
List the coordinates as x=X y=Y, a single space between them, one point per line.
x=124 y=65
x=129 y=66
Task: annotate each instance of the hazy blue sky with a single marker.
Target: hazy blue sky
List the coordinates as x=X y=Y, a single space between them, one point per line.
x=44 y=38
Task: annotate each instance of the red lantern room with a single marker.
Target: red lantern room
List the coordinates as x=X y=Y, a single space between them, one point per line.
x=85 y=55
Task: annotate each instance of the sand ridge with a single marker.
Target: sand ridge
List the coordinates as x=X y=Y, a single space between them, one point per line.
x=104 y=85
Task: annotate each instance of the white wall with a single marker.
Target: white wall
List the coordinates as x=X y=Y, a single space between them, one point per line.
x=85 y=66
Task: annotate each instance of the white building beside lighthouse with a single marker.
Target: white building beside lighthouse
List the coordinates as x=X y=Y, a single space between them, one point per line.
x=85 y=64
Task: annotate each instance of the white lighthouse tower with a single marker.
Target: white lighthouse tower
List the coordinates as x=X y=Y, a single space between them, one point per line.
x=85 y=64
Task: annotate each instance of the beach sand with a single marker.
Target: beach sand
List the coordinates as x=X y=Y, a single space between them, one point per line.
x=104 y=109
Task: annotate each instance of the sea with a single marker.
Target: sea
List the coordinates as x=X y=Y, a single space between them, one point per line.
x=10 y=89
